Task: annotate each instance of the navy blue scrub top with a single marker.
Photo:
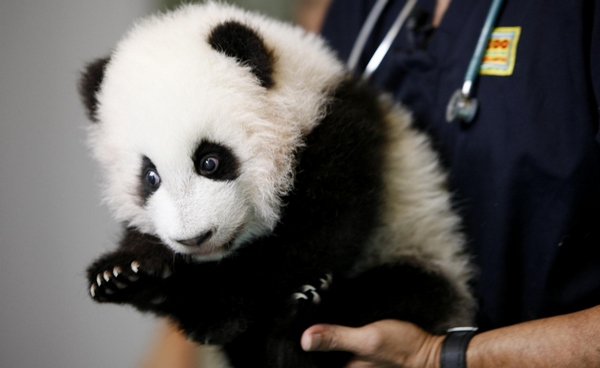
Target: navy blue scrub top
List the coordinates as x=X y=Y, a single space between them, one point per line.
x=526 y=173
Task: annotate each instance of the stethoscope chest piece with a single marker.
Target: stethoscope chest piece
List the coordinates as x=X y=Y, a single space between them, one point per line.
x=461 y=107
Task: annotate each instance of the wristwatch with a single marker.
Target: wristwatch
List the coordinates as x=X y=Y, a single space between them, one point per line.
x=454 y=347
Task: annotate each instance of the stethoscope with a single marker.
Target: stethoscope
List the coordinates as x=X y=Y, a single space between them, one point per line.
x=462 y=105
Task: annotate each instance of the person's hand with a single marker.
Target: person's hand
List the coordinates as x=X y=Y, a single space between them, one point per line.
x=387 y=343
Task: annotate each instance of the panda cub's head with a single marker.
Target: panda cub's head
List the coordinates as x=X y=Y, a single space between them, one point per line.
x=197 y=115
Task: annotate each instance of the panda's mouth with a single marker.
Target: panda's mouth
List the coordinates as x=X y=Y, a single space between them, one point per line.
x=210 y=251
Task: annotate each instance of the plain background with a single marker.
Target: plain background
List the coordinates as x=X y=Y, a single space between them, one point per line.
x=51 y=221
x=52 y=224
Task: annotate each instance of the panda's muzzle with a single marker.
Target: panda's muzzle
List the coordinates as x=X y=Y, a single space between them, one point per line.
x=196 y=241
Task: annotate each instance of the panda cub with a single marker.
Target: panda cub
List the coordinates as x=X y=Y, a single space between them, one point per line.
x=263 y=189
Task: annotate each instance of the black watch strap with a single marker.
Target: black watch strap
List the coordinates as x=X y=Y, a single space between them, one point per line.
x=454 y=347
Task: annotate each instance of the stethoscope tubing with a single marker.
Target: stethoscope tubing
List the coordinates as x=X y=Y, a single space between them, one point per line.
x=484 y=36
x=386 y=43
x=461 y=105
x=365 y=32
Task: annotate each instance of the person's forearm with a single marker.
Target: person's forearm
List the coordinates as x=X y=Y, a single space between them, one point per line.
x=571 y=340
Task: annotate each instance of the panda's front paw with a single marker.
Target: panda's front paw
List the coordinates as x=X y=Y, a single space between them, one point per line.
x=119 y=279
x=311 y=294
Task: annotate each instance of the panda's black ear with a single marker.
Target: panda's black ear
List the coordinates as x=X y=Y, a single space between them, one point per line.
x=241 y=42
x=89 y=85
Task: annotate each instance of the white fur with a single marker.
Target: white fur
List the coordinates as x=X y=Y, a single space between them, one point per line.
x=418 y=217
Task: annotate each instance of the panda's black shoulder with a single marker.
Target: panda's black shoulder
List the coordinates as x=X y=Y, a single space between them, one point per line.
x=354 y=114
x=338 y=186
x=349 y=141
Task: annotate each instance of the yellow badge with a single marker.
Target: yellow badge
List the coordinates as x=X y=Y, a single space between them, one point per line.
x=501 y=53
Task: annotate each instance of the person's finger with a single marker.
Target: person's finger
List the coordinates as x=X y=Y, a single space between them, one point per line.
x=360 y=341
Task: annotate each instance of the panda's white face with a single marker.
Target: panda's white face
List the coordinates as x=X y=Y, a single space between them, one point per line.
x=185 y=169
x=196 y=134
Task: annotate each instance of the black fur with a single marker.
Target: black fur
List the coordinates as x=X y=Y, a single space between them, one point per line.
x=228 y=165
x=89 y=85
x=241 y=42
x=243 y=301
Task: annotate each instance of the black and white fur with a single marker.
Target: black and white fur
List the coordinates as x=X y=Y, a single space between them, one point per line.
x=263 y=189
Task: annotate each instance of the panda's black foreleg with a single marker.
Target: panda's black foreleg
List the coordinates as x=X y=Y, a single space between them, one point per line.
x=275 y=341
x=158 y=281
x=212 y=302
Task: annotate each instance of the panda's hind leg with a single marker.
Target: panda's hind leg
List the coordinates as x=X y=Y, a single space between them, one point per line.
x=403 y=290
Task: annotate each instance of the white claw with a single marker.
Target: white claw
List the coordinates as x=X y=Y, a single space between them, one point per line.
x=316 y=299
x=298 y=296
x=117 y=271
x=326 y=281
x=135 y=266
x=99 y=279
x=306 y=288
x=324 y=284
x=107 y=275
x=93 y=290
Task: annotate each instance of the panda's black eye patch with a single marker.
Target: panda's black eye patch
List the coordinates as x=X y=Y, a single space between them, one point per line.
x=215 y=161
x=149 y=179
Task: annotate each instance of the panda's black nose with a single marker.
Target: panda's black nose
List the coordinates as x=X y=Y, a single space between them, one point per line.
x=196 y=241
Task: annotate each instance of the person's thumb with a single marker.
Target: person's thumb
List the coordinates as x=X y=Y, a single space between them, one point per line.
x=325 y=337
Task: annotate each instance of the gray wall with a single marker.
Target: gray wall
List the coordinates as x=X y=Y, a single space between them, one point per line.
x=51 y=222
x=281 y=9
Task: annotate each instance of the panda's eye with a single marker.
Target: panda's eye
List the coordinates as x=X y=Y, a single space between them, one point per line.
x=215 y=161
x=152 y=178
x=209 y=165
x=149 y=180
